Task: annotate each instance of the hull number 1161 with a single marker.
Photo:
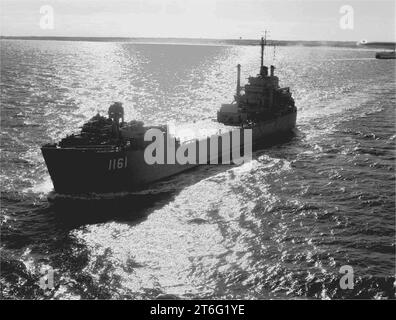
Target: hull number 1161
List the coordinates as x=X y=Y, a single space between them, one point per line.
x=120 y=163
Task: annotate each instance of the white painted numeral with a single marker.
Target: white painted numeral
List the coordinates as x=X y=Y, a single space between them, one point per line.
x=120 y=163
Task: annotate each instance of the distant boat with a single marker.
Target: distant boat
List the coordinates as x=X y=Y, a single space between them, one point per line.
x=383 y=45
x=385 y=55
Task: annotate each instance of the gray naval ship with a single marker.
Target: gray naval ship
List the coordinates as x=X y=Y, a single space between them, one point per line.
x=108 y=154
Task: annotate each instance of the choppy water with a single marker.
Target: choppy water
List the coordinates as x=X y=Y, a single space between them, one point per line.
x=280 y=228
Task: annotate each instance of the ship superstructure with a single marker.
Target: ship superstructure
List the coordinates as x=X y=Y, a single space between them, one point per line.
x=261 y=99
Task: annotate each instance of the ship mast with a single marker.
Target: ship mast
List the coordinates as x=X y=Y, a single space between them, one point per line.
x=263 y=43
x=263 y=68
x=238 y=88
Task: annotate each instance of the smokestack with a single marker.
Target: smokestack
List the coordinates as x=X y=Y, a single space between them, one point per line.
x=238 y=88
x=264 y=71
x=272 y=71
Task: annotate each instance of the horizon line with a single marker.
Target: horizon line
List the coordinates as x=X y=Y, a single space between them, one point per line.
x=173 y=38
x=233 y=41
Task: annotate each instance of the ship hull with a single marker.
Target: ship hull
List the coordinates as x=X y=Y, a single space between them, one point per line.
x=90 y=170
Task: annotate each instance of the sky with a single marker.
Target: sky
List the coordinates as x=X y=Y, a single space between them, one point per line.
x=222 y=19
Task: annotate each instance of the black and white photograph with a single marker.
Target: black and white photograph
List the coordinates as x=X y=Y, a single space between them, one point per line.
x=211 y=152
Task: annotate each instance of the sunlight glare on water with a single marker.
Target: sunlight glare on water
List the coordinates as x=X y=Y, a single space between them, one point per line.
x=280 y=226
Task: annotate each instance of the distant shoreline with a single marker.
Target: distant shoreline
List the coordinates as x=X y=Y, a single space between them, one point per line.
x=240 y=42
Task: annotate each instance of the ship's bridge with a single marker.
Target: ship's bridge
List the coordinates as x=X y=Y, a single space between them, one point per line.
x=267 y=82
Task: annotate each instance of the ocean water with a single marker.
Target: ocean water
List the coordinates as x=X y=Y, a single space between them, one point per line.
x=281 y=227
